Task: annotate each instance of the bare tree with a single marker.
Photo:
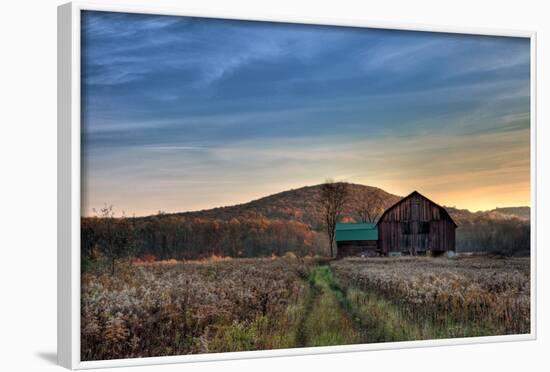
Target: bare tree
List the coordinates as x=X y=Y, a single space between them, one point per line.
x=116 y=238
x=369 y=206
x=333 y=197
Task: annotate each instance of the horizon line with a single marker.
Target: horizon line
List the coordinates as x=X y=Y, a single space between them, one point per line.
x=162 y=212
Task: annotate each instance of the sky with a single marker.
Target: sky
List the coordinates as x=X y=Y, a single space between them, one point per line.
x=183 y=113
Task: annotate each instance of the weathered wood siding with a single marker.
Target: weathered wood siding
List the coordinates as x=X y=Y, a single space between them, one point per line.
x=416 y=225
x=357 y=248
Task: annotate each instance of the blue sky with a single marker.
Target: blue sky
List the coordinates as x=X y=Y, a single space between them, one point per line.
x=186 y=113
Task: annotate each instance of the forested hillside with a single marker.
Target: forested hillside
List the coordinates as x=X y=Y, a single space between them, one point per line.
x=289 y=221
x=299 y=205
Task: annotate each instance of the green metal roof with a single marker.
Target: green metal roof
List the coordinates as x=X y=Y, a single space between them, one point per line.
x=356 y=231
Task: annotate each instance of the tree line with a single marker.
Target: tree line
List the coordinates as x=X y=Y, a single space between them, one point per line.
x=510 y=237
x=183 y=238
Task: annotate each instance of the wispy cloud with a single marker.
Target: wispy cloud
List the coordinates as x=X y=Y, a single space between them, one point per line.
x=174 y=148
x=405 y=58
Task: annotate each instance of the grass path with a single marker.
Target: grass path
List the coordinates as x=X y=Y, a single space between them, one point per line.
x=332 y=311
x=381 y=319
x=336 y=315
x=326 y=320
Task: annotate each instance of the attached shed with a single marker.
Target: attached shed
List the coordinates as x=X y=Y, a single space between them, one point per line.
x=356 y=239
x=414 y=226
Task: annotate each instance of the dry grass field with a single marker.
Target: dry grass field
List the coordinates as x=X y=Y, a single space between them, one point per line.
x=216 y=305
x=415 y=298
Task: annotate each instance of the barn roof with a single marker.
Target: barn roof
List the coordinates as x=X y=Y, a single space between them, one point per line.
x=442 y=210
x=356 y=231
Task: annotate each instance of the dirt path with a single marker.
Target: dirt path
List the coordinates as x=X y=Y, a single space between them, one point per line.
x=327 y=319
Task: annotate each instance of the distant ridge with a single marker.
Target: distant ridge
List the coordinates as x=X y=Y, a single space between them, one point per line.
x=302 y=205
x=498 y=214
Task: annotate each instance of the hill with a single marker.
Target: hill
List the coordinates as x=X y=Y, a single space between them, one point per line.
x=501 y=230
x=523 y=213
x=300 y=205
x=292 y=221
x=464 y=216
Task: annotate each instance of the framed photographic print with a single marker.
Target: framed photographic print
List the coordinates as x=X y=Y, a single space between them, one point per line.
x=237 y=186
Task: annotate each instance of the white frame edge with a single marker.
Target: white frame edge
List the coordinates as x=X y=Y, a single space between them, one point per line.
x=68 y=189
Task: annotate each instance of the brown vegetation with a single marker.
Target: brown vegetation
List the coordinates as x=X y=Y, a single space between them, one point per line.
x=477 y=295
x=169 y=307
x=199 y=307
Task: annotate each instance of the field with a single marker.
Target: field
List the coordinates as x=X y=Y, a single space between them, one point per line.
x=216 y=305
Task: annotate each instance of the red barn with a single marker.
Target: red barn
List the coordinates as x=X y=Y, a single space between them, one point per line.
x=414 y=226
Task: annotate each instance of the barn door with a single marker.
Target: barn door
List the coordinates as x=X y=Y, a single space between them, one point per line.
x=434 y=237
x=415 y=225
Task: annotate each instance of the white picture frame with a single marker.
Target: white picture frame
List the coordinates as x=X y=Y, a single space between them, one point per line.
x=69 y=186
